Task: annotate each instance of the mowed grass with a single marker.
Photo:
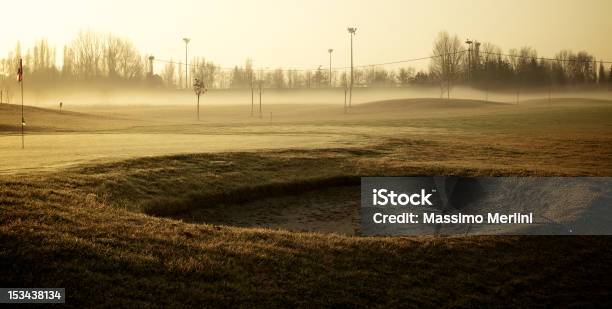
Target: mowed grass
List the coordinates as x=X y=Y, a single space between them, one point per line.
x=106 y=231
x=56 y=140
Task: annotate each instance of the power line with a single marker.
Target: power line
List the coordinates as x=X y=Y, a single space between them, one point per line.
x=394 y=62
x=314 y=69
x=546 y=58
x=410 y=60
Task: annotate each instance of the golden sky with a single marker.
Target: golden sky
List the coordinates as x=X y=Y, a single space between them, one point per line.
x=297 y=33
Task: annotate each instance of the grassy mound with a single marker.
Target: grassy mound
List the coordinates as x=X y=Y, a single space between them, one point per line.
x=86 y=228
x=73 y=229
x=40 y=119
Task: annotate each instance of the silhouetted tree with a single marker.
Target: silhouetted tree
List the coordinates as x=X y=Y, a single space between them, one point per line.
x=112 y=59
x=602 y=74
x=180 y=74
x=446 y=62
x=404 y=76
x=168 y=74
x=279 y=79
x=87 y=51
x=422 y=78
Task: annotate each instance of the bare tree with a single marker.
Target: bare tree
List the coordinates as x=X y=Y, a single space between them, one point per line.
x=490 y=52
x=130 y=63
x=68 y=65
x=602 y=74
x=88 y=50
x=180 y=73
x=112 y=49
x=404 y=76
x=279 y=79
x=447 y=56
x=168 y=74
x=43 y=57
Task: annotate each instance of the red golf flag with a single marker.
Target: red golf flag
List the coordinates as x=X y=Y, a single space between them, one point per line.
x=20 y=71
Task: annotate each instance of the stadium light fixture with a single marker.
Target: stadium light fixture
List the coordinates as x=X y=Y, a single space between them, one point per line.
x=186 y=40
x=469 y=43
x=351 y=31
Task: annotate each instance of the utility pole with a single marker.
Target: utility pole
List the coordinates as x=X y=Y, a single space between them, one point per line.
x=261 y=79
x=330 y=51
x=252 y=101
x=186 y=40
x=260 y=115
x=345 y=91
x=351 y=31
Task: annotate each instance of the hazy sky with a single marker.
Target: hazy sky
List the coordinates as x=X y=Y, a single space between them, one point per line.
x=297 y=33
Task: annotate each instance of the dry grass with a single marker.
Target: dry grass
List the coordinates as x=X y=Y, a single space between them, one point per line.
x=56 y=232
x=86 y=229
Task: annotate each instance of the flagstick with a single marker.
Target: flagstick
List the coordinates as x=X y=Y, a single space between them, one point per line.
x=22 y=121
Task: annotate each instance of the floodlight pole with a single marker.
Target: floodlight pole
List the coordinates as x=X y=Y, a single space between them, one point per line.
x=330 y=51
x=352 y=80
x=469 y=43
x=151 y=58
x=351 y=31
x=186 y=40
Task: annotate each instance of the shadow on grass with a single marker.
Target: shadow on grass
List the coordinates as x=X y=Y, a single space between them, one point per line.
x=167 y=207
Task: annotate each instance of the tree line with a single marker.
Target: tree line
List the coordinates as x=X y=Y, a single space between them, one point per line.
x=484 y=65
x=94 y=59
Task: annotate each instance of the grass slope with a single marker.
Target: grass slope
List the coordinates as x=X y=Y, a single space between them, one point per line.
x=89 y=228
x=69 y=229
x=41 y=120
